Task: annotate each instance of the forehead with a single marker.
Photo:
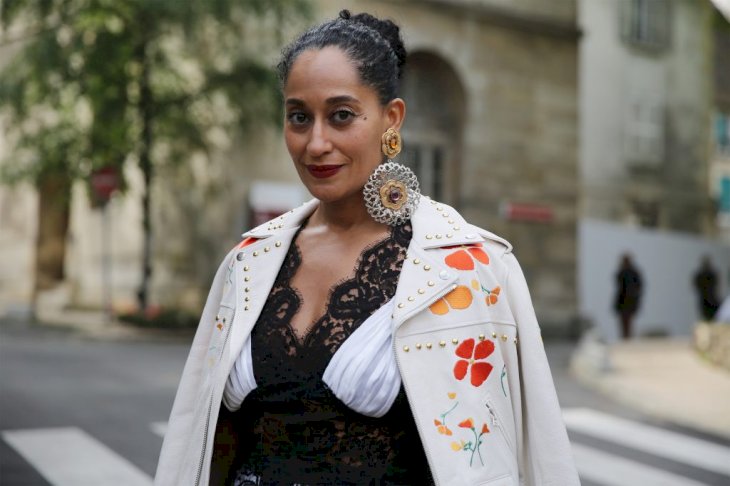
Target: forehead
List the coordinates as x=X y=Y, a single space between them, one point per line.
x=324 y=72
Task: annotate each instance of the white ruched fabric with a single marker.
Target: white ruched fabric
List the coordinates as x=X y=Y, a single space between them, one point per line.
x=240 y=381
x=362 y=373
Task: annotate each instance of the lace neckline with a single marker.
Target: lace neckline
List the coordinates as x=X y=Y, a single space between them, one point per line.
x=349 y=301
x=332 y=296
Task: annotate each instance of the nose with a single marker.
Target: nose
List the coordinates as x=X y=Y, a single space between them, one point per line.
x=319 y=142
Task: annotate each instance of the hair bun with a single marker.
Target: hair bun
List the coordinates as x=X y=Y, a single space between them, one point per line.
x=387 y=29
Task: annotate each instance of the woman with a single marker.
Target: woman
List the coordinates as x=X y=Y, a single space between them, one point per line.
x=370 y=336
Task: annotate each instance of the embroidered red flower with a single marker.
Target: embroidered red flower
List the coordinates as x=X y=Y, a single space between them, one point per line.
x=467 y=424
x=463 y=259
x=471 y=353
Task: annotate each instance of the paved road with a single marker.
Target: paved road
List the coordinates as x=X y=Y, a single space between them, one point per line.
x=77 y=412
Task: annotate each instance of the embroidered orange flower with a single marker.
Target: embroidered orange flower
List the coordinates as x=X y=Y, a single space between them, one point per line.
x=459 y=298
x=491 y=295
x=471 y=353
x=463 y=258
x=442 y=428
x=485 y=429
x=467 y=424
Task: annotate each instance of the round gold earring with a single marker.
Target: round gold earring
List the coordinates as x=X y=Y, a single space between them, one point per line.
x=391 y=143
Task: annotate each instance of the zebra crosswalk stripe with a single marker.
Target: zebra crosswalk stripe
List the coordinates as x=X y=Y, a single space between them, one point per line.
x=659 y=442
x=68 y=456
x=609 y=470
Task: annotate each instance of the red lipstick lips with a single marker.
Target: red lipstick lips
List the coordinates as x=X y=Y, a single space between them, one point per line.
x=323 y=171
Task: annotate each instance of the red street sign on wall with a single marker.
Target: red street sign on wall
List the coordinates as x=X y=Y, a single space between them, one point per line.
x=104 y=182
x=533 y=213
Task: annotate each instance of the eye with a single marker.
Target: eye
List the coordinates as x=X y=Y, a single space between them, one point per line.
x=297 y=118
x=342 y=116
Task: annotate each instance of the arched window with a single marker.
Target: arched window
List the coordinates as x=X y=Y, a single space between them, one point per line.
x=432 y=133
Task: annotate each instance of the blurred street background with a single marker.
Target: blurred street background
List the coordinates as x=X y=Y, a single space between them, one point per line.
x=141 y=138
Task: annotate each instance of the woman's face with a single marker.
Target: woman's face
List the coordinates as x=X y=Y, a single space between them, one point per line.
x=334 y=124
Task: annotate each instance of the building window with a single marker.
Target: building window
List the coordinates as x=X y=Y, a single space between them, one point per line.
x=644 y=130
x=645 y=23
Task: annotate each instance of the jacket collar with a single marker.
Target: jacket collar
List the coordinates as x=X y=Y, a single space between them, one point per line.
x=425 y=277
x=435 y=225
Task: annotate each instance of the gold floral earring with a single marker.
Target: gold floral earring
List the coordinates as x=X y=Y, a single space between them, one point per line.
x=392 y=192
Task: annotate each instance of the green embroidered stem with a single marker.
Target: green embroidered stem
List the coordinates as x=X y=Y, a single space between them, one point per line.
x=479 y=450
x=443 y=415
x=475 y=447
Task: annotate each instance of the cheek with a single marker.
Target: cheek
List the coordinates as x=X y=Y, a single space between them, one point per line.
x=368 y=147
x=293 y=142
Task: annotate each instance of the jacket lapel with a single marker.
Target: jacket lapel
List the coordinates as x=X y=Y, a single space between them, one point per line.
x=256 y=267
x=425 y=277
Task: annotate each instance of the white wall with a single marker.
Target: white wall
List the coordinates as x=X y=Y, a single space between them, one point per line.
x=667 y=262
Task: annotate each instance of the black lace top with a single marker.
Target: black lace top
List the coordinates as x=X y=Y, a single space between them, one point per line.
x=292 y=429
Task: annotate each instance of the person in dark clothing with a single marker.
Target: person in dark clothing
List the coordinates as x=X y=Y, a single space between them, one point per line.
x=628 y=295
x=705 y=281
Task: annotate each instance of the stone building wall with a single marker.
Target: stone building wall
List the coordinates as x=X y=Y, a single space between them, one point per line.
x=517 y=65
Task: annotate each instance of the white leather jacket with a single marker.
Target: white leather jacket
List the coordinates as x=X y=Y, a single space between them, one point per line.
x=466 y=341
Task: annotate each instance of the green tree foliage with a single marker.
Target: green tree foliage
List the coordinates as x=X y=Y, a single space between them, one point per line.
x=98 y=83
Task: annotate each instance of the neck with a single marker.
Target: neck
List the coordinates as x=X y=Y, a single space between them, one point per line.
x=344 y=215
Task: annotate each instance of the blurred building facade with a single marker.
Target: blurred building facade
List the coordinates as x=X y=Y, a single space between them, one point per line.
x=494 y=119
x=720 y=146
x=649 y=179
x=646 y=100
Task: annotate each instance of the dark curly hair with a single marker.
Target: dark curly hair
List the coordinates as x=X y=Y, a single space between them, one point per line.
x=375 y=46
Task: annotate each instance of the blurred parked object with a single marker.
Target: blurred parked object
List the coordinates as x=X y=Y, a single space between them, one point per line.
x=705 y=282
x=713 y=342
x=628 y=294
x=269 y=199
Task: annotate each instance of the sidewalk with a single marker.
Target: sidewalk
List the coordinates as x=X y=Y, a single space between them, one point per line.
x=662 y=377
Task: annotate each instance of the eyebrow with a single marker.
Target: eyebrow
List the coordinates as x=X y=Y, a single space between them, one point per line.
x=330 y=101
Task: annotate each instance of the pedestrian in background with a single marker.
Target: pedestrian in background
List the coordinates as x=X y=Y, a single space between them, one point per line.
x=405 y=370
x=705 y=282
x=628 y=294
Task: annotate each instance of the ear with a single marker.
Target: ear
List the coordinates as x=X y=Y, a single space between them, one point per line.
x=395 y=113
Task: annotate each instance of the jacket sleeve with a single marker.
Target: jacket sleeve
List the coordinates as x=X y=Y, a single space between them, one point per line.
x=544 y=454
x=181 y=418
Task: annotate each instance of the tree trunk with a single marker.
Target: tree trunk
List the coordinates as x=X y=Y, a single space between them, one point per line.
x=54 y=207
x=146 y=109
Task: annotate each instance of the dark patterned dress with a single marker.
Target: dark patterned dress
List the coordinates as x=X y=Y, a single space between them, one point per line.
x=292 y=428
